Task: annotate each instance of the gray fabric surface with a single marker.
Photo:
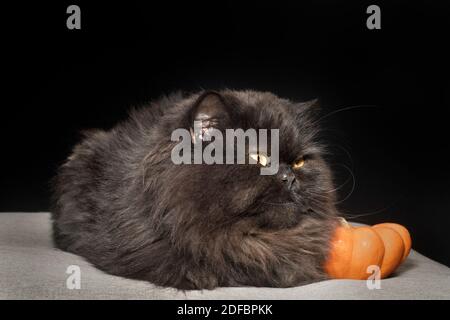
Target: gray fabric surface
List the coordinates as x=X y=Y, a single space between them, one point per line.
x=30 y=268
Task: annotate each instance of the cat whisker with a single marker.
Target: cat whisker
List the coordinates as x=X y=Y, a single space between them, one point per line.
x=279 y=203
x=347 y=153
x=353 y=184
x=370 y=213
x=339 y=187
x=346 y=109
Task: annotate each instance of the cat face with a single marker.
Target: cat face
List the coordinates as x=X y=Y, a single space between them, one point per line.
x=221 y=194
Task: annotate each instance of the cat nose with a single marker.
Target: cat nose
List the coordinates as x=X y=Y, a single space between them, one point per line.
x=288 y=177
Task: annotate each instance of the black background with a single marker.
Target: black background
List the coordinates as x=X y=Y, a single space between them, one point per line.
x=394 y=140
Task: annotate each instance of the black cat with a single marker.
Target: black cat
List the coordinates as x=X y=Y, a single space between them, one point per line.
x=121 y=202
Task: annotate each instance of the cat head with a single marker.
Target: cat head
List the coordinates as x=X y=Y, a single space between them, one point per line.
x=221 y=194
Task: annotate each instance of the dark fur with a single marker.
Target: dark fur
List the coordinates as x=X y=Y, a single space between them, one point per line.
x=122 y=204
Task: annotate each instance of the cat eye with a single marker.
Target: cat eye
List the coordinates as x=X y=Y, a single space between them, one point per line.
x=260 y=158
x=298 y=163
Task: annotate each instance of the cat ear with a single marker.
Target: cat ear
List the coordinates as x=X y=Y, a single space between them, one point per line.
x=209 y=112
x=314 y=103
x=310 y=107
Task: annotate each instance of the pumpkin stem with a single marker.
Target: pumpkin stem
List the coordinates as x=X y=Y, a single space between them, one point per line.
x=344 y=222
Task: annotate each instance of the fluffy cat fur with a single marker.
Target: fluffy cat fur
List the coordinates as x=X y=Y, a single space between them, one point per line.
x=121 y=203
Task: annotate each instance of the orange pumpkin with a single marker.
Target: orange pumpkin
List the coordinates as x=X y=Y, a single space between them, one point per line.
x=353 y=249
